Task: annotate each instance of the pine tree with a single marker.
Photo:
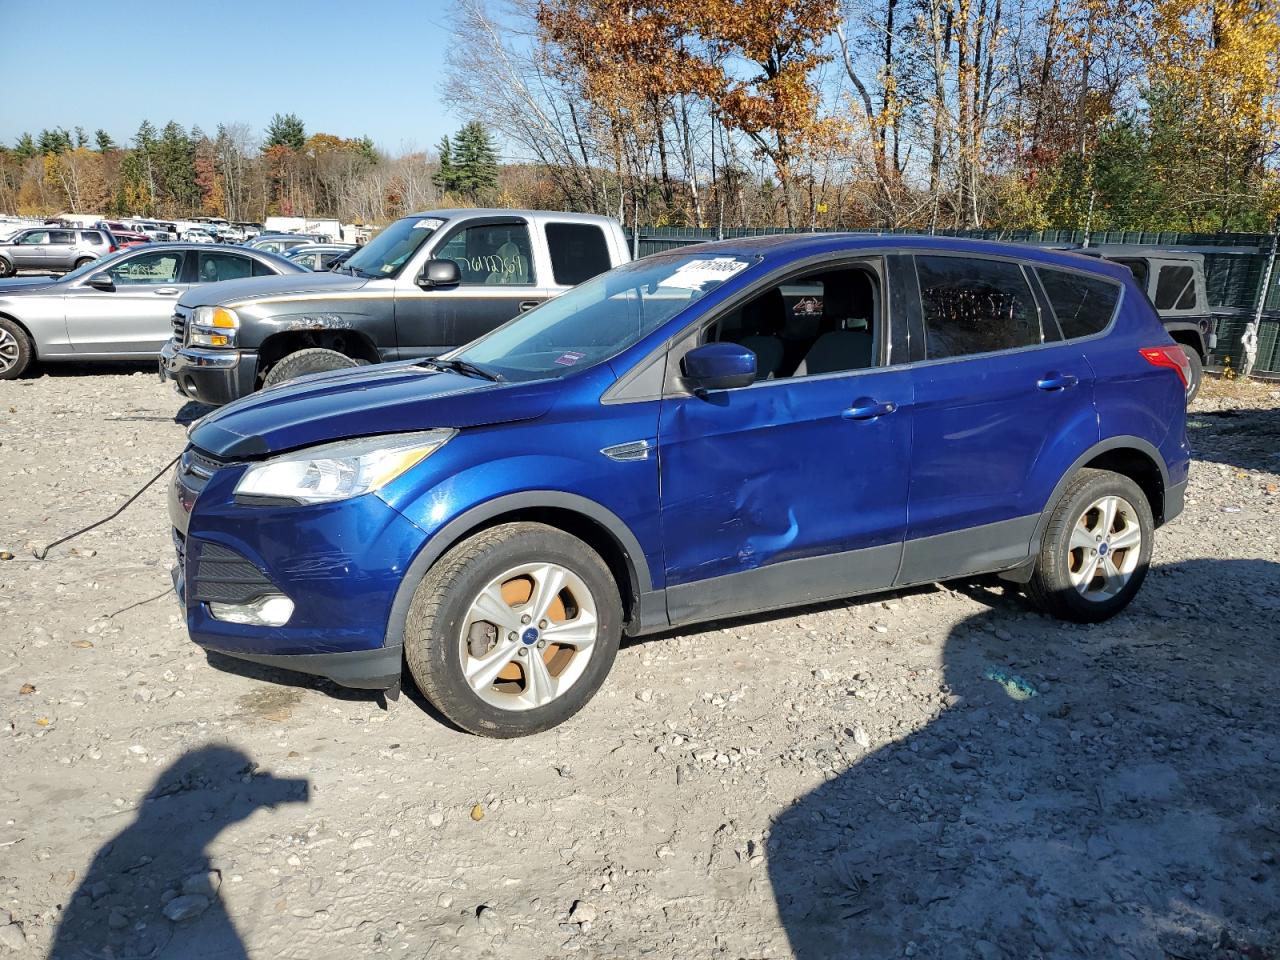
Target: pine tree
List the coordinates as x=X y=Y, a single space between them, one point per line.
x=474 y=161
x=286 y=130
x=25 y=147
x=103 y=140
x=446 y=178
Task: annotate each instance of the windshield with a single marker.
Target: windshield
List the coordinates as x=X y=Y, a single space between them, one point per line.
x=385 y=254
x=600 y=318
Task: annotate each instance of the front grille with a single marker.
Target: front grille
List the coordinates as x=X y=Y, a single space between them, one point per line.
x=180 y=326
x=223 y=576
x=196 y=468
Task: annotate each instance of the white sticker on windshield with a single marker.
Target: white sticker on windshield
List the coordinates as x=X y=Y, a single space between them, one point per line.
x=695 y=273
x=429 y=223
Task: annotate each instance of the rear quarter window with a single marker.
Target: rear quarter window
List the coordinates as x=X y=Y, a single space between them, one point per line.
x=1175 y=288
x=93 y=237
x=1082 y=304
x=579 y=251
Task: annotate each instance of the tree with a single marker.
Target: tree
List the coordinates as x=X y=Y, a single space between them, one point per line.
x=25 y=147
x=103 y=141
x=286 y=131
x=446 y=176
x=474 y=161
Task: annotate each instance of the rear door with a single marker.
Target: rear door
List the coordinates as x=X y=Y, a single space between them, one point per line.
x=499 y=281
x=136 y=317
x=60 y=254
x=1002 y=408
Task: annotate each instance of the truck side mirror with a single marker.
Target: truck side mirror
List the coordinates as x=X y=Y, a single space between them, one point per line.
x=437 y=274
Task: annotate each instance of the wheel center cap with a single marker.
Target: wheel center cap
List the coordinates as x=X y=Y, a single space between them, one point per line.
x=529 y=637
x=1102 y=549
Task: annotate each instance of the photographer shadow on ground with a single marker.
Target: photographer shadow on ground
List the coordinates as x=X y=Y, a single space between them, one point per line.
x=151 y=891
x=1101 y=791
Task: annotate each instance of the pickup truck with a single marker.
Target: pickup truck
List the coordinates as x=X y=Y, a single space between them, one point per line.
x=427 y=283
x=1174 y=282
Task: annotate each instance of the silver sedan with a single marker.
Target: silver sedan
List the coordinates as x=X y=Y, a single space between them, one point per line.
x=116 y=308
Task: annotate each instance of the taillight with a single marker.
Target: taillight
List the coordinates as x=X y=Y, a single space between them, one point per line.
x=1171 y=356
x=112 y=248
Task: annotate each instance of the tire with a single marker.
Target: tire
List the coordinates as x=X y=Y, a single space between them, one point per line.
x=16 y=350
x=311 y=360
x=6 y=268
x=81 y=262
x=1196 y=372
x=444 y=638
x=1058 y=585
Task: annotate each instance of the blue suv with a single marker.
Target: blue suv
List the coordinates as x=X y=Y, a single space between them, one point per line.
x=716 y=431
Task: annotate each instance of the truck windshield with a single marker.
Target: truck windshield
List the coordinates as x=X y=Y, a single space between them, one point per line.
x=600 y=318
x=385 y=254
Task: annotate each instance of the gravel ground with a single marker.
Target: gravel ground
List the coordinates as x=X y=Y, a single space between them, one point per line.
x=845 y=780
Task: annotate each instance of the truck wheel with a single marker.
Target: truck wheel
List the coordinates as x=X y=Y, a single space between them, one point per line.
x=1196 y=372
x=1096 y=549
x=513 y=630
x=16 y=351
x=311 y=360
x=6 y=268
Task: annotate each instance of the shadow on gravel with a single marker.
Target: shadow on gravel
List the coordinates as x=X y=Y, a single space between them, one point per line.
x=150 y=890
x=106 y=367
x=1249 y=439
x=1107 y=791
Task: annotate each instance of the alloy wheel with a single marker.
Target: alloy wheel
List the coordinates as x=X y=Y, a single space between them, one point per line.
x=528 y=636
x=1105 y=547
x=9 y=350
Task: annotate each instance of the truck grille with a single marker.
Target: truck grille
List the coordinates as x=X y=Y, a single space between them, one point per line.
x=180 y=326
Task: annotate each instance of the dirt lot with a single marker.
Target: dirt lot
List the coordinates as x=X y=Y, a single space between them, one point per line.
x=839 y=781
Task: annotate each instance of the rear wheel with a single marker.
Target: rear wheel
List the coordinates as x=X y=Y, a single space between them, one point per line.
x=514 y=630
x=1096 y=549
x=82 y=261
x=311 y=360
x=6 y=268
x=16 y=351
x=1195 y=371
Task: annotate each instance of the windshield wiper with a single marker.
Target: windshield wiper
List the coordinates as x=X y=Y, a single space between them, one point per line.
x=465 y=366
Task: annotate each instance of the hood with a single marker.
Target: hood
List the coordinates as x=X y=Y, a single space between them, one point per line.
x=362 y=401
x=257 y=288
x=25 y=284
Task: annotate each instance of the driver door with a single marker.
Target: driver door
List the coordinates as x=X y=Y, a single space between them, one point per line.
x=136 y=317
x=499 y=281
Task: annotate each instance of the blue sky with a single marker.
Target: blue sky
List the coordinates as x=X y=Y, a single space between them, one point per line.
x=347 y=68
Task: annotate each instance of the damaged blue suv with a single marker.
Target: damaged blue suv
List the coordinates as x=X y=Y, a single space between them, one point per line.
x=716 y=431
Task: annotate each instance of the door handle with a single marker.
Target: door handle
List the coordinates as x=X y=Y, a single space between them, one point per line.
x=165 y=291
x=1057 y=381
x=528 y=304
x=864 y=408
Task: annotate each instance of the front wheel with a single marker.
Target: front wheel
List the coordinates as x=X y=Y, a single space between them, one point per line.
x=16 y=352
x=303 y=362
x=514 y=630
x=7 y=269
x=1096 y=549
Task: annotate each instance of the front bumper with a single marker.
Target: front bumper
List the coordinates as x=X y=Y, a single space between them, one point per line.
x=340 y=563
x=209 y=376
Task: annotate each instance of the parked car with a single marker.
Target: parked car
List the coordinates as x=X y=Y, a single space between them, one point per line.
x=671 y=442
x=278 y=242
x=319 y=256
x=55 y=249
x=159 y=232
x=1174 y=281
x=426 y=284
x=125 y=239
x=199 y=235
x=116 y=308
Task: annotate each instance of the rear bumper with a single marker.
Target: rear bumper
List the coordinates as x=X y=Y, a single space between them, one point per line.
x=209 y=376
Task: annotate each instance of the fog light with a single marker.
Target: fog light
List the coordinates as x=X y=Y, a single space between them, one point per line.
x=271 y=611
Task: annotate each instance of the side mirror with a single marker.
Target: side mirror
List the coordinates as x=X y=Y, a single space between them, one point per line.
x=718 y=366
x=439 y=273
x=101 y=281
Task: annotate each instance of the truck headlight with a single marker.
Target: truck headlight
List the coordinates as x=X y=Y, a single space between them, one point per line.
x=337 y=471
x=214 y=327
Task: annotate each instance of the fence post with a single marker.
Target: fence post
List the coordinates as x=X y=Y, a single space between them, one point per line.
x=1249 y=339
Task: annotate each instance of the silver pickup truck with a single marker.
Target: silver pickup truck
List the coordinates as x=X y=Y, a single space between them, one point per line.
x=427 y=283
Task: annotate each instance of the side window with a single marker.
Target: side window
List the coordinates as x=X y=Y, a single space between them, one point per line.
x=62 y=236
x=1176 y=288
x=1083 y=305
x=155 y=267
x=1139 y=270
x=822 y=322
x=92 y=237
x=222 y=266
x=975 y=306
x=579 y=251
x=491 y=254
x=34 y=237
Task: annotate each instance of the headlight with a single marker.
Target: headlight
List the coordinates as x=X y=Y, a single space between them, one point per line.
x=214 y=327
x=337 y=471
